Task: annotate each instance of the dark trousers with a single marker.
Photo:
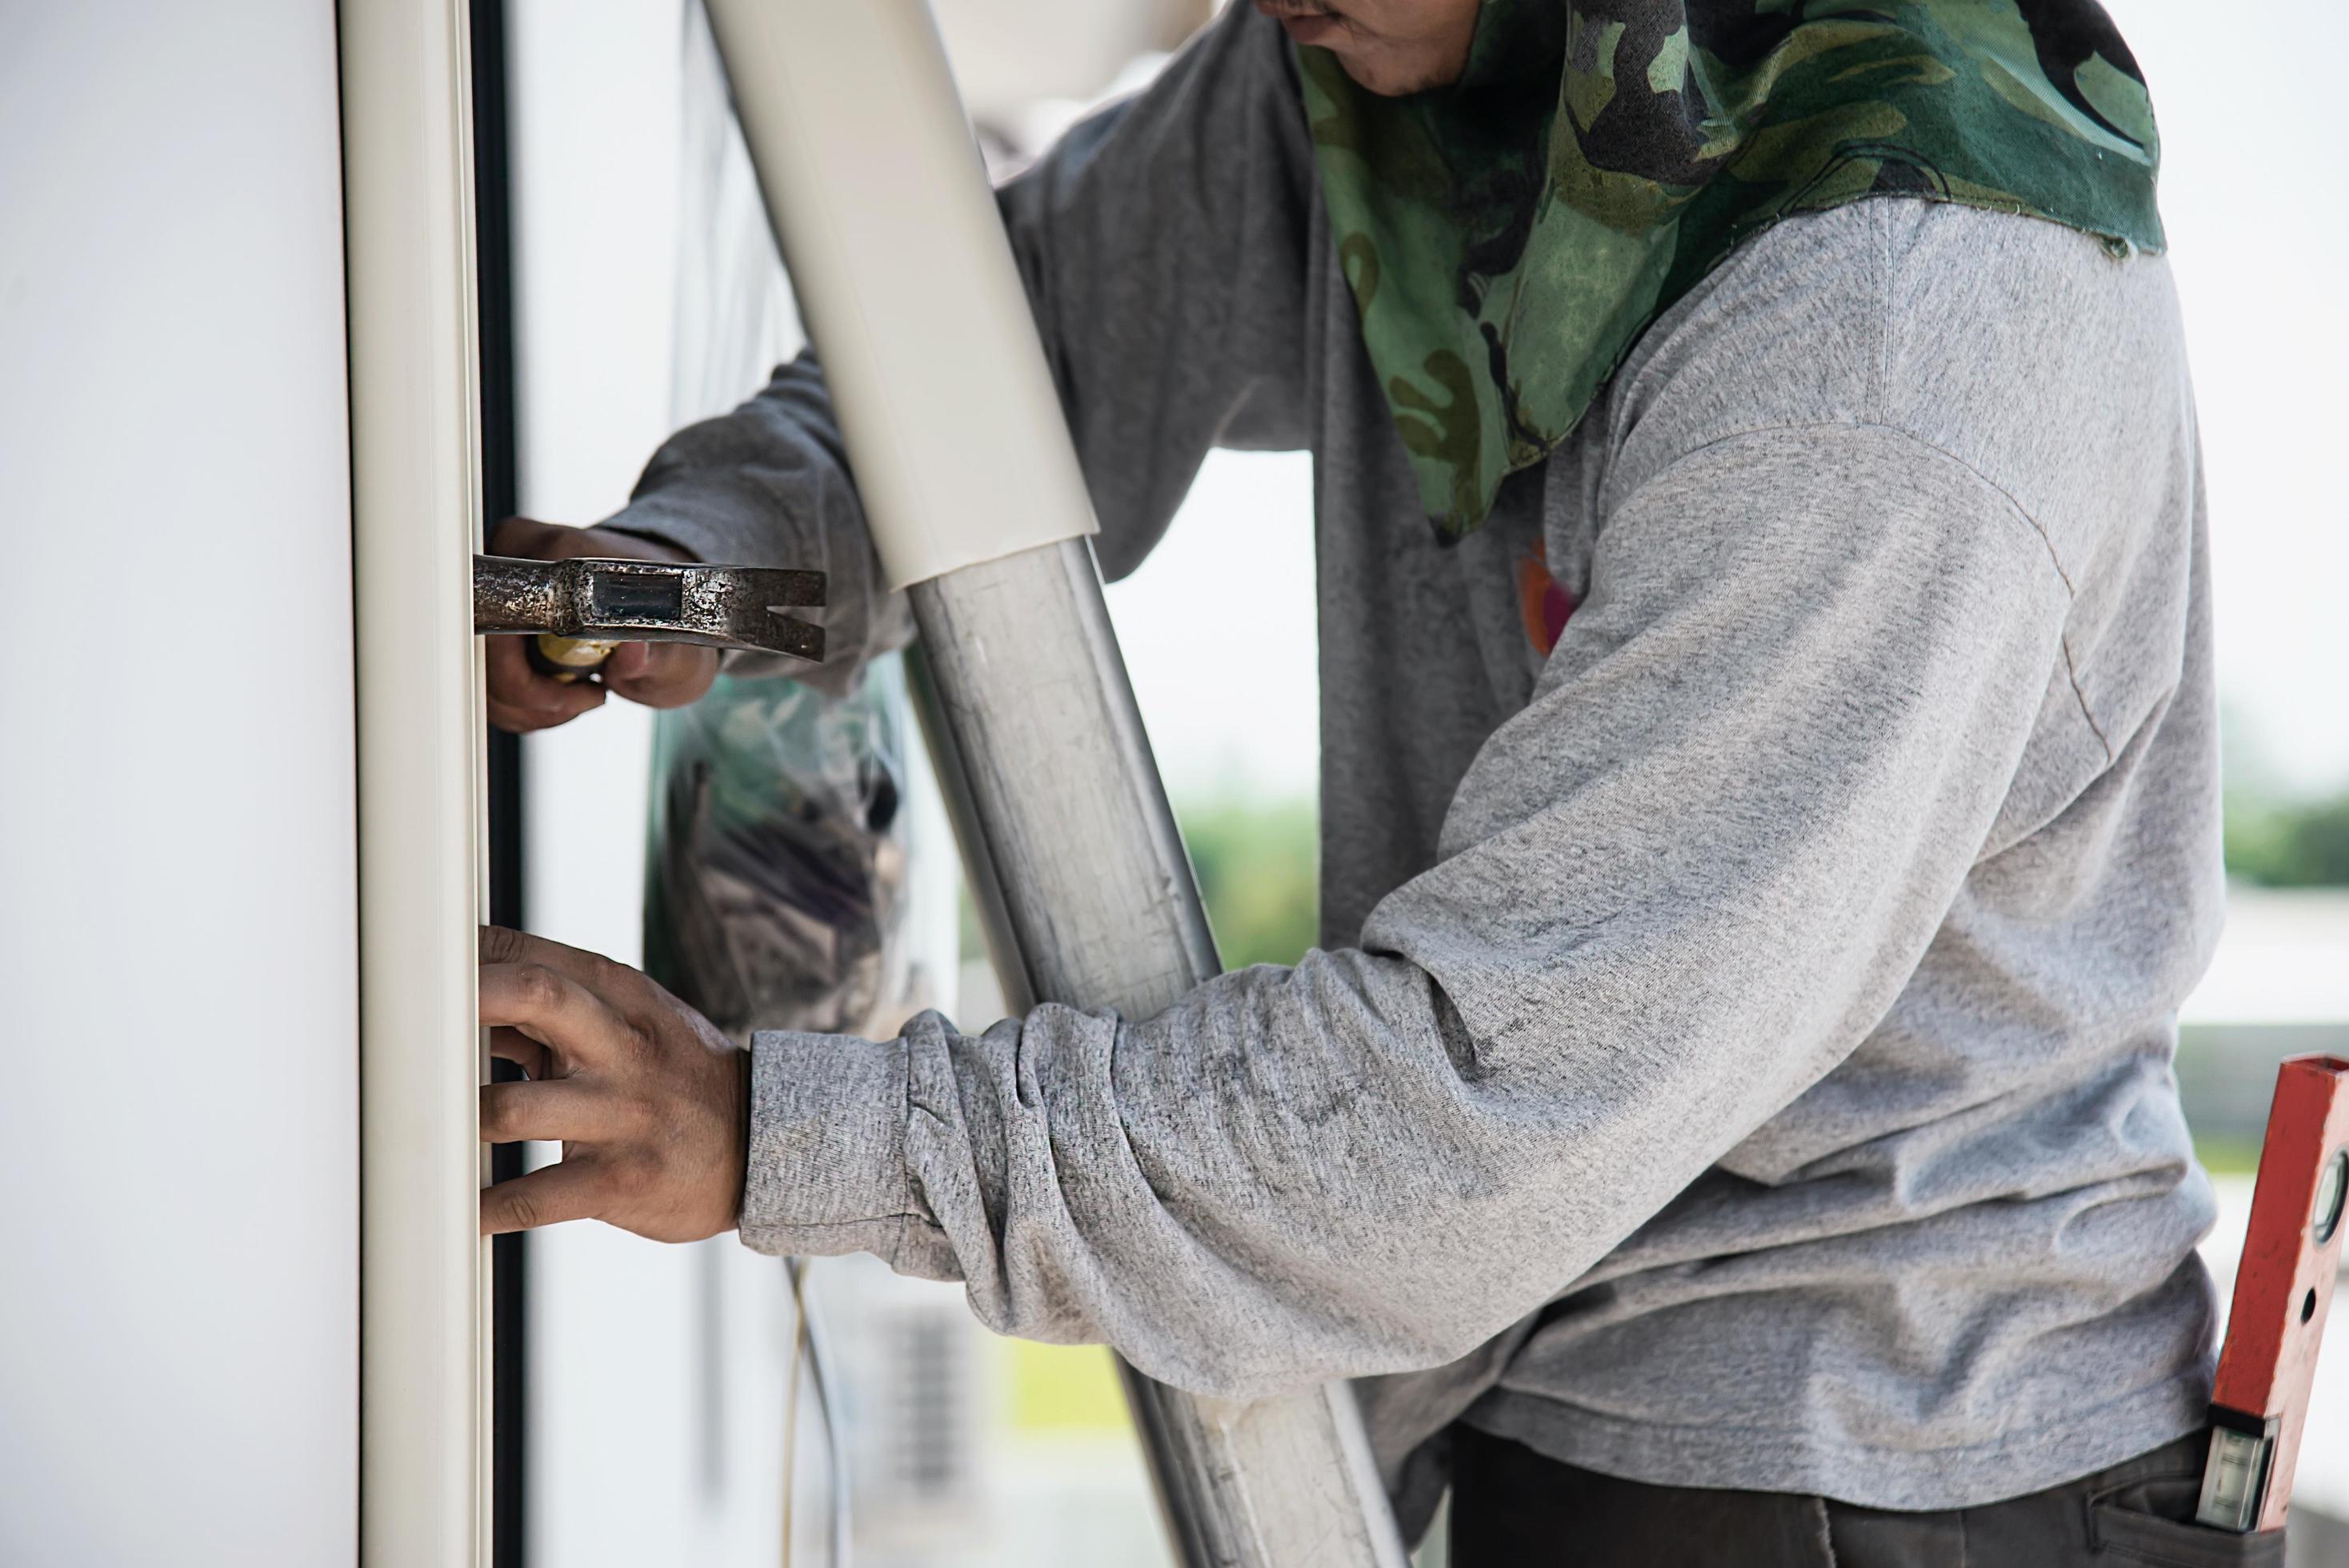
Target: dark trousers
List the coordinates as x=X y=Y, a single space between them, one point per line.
x=1511 y=1508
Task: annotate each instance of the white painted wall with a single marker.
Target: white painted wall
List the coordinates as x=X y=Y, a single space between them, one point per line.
x=178 y=910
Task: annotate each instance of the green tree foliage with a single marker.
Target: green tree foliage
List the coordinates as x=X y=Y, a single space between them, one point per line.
x=2288 y=843
x=1258 y=867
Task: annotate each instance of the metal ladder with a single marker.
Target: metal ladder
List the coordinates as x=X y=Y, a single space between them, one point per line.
x=880 y=204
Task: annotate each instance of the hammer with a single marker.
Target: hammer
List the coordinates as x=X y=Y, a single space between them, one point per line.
x=584 y=608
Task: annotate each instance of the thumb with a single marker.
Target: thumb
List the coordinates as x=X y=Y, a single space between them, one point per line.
x=661 y=675
x=629 y=661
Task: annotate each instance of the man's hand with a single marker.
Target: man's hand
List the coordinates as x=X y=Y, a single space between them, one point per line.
x=658 y=675
x=651 y=1102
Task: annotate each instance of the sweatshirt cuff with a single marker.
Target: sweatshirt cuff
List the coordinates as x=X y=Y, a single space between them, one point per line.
x=826 y=1172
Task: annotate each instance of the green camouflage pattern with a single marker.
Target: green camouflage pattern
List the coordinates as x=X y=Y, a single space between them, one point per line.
x=1508 y=237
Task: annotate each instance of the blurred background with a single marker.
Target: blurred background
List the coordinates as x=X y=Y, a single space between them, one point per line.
x=658 y=1377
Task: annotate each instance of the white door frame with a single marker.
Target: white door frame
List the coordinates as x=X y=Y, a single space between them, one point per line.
x=416 y=489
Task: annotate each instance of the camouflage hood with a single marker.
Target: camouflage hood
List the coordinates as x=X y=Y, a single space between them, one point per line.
x=1508 y=237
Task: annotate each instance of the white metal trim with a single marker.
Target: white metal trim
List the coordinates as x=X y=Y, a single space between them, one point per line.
x=408 y=203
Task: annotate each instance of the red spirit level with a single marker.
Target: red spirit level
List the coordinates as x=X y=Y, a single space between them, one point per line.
x=2290 y=1254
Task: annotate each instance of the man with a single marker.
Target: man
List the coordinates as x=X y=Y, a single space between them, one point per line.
x=1770 y=804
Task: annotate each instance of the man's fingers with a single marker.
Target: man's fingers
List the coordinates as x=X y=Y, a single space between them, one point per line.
x=526 y=721
x=527 y=536
x=661 y=675
x=562 y=1110
x=629 y=663
x=576 y=1023
x=573 y=1188
x=510 y=1045
x=626 y=990
x=504 y=945
x=522 y=699
x=513 y=681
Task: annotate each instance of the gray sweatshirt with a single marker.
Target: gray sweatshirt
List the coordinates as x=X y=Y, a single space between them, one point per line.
x=1739 y=1051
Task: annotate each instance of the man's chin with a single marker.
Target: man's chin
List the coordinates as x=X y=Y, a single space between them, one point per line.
x=1384 y=77
x=1318 y=30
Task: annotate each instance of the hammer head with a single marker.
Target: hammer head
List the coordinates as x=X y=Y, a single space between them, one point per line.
x=649 y=602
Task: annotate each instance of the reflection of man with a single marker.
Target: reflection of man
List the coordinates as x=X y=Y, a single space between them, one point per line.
x=1770 y=796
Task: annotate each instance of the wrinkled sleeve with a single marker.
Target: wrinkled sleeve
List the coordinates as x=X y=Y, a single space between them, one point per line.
x=1163 y=244
x=1674 y=890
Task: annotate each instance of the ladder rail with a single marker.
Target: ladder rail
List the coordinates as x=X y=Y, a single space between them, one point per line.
x=969 y=480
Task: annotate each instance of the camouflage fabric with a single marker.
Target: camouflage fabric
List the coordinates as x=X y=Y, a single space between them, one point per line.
x=1508 y=237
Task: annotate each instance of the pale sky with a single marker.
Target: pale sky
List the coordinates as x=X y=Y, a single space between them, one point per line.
x=2257 y=242
x=2258 y=237
x=1235 y=710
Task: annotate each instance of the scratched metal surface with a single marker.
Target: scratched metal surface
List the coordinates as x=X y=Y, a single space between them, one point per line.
x=644 y=601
